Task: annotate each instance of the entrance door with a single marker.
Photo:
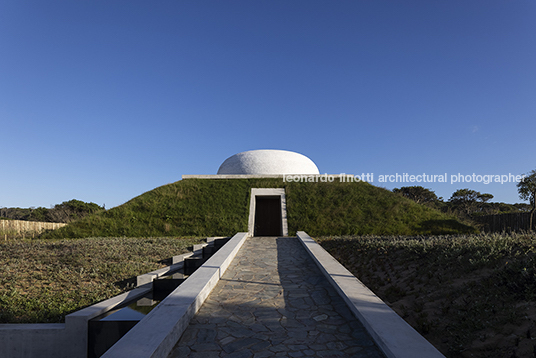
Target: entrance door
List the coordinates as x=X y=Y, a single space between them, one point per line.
x=268 y=216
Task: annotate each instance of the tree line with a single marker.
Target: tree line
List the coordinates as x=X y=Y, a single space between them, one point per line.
x=467 y=203
x=61 y=213
x=463 y=201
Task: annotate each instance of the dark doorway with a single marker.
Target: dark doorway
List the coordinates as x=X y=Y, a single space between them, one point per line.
x=268 y=216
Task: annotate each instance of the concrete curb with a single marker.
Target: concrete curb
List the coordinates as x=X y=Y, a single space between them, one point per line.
x=394 y=336
x=158 y=332
x=177 y=264
x=70 y=339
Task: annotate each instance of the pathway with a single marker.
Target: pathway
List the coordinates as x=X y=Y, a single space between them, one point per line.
x=274 y=301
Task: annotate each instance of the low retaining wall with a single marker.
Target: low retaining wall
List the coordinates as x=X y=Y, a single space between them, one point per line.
x=394 y=336
x=158 y=332
x=35 y=340
x=70 y=339
x=60 y=340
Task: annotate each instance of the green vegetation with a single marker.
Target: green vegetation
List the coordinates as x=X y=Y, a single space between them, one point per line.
x=360 y=209
x=42 y=281
x=61 y=213
x=473 y=207
x=527 y=191
x=201 y=207
x=464 y=203
x=418 y=194
x=471 y=296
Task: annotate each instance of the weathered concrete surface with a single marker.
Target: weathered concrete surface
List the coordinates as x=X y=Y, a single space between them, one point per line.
x=273 y=301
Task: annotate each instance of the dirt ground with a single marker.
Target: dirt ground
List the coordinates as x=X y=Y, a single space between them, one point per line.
x=488 y=311
x=508 y=332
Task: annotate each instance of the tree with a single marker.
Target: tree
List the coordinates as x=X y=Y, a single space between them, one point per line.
x=469 y=200
x=527 y=191
x=485 y=197
x=418 y=194
x=65 y=212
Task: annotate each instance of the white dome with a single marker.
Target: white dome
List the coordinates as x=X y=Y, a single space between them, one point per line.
x=268 y=161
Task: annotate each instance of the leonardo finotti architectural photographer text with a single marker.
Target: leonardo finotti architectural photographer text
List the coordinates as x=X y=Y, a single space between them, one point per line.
x=404 y=178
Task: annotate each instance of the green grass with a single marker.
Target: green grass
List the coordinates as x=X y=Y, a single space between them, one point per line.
x=470 y=295
x=44 y=280
x=201 y=207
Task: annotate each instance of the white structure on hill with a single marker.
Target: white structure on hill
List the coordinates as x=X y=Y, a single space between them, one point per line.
x=268 y=161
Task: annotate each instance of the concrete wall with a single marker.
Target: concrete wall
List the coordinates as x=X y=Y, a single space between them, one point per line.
x=394 y=336
x=58 y=340
x=70 y=339
x=33 y=340
x=158 y=332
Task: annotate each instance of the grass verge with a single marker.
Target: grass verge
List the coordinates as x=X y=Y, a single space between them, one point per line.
x=470 y=296
x=42 y=281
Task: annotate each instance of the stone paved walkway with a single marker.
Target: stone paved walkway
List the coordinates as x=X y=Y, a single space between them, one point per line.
x=273 y=301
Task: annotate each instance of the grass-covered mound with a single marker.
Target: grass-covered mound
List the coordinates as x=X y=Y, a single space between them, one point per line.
x=220 y=207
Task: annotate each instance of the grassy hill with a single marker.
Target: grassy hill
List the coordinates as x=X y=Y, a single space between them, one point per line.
x=218 y=207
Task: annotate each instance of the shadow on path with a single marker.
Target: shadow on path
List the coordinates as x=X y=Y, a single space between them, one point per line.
x=274 y=301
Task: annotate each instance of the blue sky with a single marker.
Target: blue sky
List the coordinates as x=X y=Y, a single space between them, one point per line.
x=103 y=100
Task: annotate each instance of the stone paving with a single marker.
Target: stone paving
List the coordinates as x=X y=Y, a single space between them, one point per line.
x=274 y=301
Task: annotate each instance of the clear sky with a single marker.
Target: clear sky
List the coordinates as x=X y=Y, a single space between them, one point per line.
x=101 y=101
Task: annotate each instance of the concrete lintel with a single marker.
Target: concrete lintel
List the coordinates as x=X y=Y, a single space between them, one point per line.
x=233 y=176
x=158 y=332
x=394 y=336
x=305 y=178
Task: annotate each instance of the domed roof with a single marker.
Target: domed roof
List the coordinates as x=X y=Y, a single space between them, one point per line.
x=268 y=161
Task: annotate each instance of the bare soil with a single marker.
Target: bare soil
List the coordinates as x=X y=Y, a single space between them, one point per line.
x=483 y=310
